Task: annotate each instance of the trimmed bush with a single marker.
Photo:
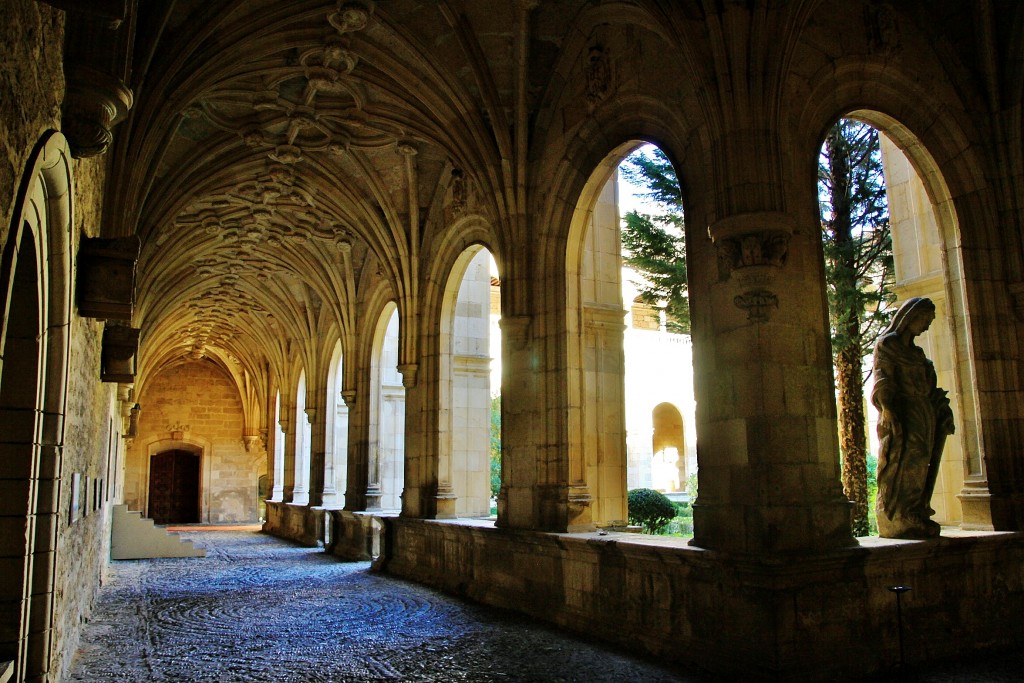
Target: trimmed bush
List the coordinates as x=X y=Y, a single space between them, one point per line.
x=650 y=509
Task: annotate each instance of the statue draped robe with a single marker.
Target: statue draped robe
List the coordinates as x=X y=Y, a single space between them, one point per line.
x=910 y=447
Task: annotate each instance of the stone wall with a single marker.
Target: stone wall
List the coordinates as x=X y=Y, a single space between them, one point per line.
x=826 y=616
x=31 y=91
x=196 y=406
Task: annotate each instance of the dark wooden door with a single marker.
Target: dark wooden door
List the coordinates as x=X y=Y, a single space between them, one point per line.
x=174 y=487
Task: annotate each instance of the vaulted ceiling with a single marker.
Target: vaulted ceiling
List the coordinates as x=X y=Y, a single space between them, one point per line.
x=280 y=153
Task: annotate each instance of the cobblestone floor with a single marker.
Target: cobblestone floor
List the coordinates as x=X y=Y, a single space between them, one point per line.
x=260 y=609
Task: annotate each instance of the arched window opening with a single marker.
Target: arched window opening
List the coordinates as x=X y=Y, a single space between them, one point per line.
x=885 y=241
x=668 y=443
x=303 y=444
x=336 y=456
x=386 y=476
x=658 y=351
x=627 y=361
x=466 y=393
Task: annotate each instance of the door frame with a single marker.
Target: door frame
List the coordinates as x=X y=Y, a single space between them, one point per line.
x=196 y=447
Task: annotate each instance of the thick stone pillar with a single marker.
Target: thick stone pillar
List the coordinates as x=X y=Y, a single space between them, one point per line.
x=420 y=495
x=357 y=461
x=767 y=432
x=525 y=497
x=317 y=460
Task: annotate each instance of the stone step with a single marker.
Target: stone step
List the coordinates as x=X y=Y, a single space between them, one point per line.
x=134 y=537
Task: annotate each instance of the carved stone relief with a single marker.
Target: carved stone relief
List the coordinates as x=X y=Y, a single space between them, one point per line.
x=598 y=75
x=752 y=248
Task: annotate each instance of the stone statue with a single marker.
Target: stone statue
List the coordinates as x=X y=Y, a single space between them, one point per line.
x=915 y=419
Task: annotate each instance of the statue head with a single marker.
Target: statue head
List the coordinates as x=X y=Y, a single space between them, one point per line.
x=916 y=310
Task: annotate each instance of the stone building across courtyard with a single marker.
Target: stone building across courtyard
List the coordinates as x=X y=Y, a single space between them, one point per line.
x=244 y=268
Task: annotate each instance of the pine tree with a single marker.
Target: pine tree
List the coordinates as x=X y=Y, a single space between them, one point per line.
x=859 y=277
x=654 y=245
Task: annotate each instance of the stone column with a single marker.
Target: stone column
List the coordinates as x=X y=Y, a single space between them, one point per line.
x=768 y=445
x=300 y=492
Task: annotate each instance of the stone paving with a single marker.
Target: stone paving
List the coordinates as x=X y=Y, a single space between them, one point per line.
x=260 y=609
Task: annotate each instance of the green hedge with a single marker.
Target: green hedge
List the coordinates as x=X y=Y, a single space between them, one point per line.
x=650 y=509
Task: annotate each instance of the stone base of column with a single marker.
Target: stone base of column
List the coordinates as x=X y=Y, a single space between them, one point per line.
x=976 y=503
x=772 y=528
x=444 y=502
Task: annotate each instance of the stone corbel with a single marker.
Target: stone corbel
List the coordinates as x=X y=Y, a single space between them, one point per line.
x=250 y=440
x=349 y=397
x=98 y=43
x=752 y=249
x=106 y=277
x=94 y=103
x=408 y=372
x=118 y=357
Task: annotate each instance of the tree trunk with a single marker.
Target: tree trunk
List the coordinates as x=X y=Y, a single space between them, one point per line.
x=853 y=435
x=849 y=382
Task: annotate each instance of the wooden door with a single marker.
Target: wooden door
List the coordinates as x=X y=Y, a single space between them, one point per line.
x=174 y=487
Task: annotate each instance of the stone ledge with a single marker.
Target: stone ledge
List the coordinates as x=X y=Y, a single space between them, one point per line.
x=777 y=617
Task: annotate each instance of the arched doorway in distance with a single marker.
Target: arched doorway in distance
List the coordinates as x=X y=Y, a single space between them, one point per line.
x=174 y=487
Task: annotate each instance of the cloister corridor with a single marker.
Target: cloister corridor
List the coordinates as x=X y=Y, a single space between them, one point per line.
x=258 y=608
x=261 y=609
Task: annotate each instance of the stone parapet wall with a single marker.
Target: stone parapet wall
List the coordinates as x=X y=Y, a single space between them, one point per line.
x=299 y=523
x=780 y=618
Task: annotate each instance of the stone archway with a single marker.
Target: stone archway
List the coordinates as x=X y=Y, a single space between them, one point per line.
x=35 y=274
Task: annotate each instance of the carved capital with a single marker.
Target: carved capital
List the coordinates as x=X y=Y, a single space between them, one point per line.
x=408 y=371
x=751 y=240
x=349 y=397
